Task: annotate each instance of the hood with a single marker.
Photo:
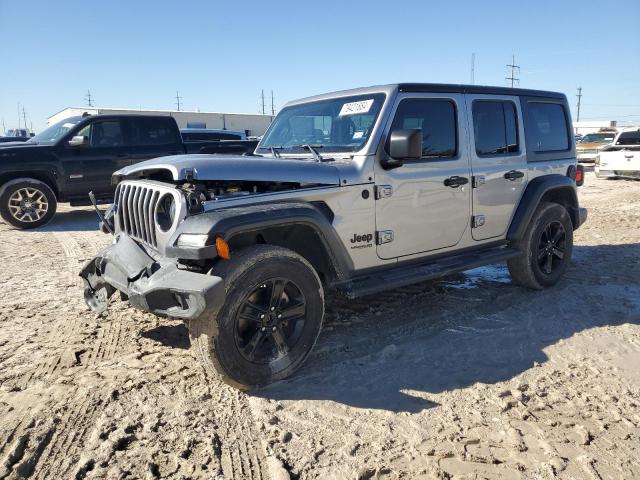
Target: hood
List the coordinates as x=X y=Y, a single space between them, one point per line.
x=232 y=167
x=590 y=145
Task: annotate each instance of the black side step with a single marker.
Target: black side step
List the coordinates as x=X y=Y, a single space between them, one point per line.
x=406 y=275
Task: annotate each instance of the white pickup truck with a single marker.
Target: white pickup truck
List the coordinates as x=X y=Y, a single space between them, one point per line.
x=620 y=158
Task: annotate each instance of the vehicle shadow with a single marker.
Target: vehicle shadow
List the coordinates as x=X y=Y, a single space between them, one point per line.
x=73 y=220
x=176 y=336
x=488 y=333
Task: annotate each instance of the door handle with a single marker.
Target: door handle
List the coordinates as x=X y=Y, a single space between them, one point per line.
x=513 y=175
x=455 y=181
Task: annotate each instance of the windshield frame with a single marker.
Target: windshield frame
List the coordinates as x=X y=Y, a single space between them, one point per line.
x=327 y=149
x=44 y=137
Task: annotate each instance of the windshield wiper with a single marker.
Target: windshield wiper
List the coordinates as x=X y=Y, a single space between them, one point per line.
x=312 y=149
x=274 y=151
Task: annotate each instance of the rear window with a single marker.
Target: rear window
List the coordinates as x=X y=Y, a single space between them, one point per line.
x=629 y=138
x=152 y=131
x=547 y=127
x=495 y=127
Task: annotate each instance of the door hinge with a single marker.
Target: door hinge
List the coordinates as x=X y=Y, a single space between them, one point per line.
x=477 y=221
x=383 y=191
x=384 y=236
x=478 y=180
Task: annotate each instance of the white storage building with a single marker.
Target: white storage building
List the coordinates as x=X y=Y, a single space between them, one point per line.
x=251 y=124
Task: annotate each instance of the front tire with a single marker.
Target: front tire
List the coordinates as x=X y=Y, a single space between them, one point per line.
x=27 y=203
x=546 y=248
x=270 y=321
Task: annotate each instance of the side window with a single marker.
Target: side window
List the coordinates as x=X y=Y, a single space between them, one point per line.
x=152 y=131
x=104 y=134
x=437 y=120
x=547 y=127
x=495 y=127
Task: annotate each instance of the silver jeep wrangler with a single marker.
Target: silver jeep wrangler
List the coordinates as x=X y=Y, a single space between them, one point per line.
x=357 y=191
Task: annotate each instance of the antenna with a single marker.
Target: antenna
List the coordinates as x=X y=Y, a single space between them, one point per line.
x=514 y=80
x=89 y=99
x=178 y=100
x=273 y=107
x=579 y=95
x=473 y=67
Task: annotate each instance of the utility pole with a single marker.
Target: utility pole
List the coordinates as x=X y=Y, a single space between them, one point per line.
x=4 y=128
x=178 y=100
x=262 y=101
x=579 y=95
x=89 y=99
x=273 y=107
x=514 y=80
x=473 y=67
x=24 y=117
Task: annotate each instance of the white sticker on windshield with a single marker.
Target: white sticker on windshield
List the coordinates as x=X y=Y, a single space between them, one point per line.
x=355 y=108
x=358 y=135
x=69 y=125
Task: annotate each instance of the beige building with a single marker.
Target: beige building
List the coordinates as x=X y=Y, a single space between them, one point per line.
x=251 y=124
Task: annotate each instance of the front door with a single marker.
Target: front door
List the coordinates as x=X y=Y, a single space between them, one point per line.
x=498 y=161
x=89 y=167
x=426 y=203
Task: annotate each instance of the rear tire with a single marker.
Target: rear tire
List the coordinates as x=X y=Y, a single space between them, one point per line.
x=27 y=203
x=270 y=321
x=546 y=248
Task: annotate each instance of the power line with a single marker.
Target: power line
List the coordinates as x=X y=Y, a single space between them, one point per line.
x=89 y=99
x=579 y=95
x=178 y=100
x=514 y=80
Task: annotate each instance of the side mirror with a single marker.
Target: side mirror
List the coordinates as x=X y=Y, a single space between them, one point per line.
x=404 y=145
x=79 y=141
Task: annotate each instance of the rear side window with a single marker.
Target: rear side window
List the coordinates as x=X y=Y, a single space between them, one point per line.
x=152 y=131
x=547 y=127
x=495 y=127
x=437 y=120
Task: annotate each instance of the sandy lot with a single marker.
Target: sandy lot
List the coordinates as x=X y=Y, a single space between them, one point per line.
x=467 y=377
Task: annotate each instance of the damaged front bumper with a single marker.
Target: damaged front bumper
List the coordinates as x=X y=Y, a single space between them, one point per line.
x=156 y=286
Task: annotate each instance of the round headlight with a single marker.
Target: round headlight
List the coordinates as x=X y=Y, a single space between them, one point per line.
x=166 y=212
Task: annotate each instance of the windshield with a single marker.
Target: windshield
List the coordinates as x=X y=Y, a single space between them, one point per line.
x=629 y=138
x=334 y=125
x=55 y=132
x=598 y=137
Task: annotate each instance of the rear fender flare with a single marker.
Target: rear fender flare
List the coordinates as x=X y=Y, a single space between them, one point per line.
x=557 y=188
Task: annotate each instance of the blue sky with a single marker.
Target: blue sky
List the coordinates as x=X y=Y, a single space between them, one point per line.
x=219 y=55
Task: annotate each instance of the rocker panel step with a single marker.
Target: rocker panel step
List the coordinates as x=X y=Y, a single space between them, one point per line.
x=402 y=276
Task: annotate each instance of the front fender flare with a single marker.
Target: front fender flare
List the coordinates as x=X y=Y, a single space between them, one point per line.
x=229 y=222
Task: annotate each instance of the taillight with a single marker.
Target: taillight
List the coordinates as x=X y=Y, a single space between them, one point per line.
x=580 y=175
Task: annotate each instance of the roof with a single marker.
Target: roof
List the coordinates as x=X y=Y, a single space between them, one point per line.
x=99 y=111
x=432 y=88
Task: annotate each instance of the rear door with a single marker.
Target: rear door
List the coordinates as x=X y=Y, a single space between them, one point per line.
x=151 y=137
x=423 y=209
x=498 y=162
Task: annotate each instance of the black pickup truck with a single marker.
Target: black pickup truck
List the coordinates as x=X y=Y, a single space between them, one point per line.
x=78 y=155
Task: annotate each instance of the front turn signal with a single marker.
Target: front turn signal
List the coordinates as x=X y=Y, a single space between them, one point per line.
x=223 y=248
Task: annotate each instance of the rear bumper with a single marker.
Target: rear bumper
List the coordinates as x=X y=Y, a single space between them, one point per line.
x=156 y=286
x=581 y=216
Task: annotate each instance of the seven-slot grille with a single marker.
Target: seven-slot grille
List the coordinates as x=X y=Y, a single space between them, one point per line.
x=136 y=211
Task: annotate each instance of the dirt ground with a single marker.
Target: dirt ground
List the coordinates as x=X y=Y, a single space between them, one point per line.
x=467 y=377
